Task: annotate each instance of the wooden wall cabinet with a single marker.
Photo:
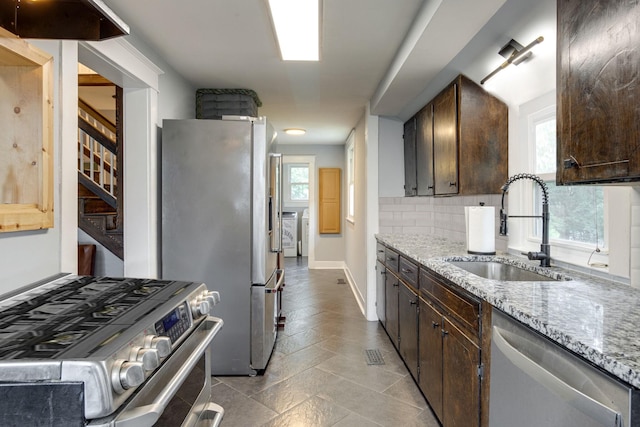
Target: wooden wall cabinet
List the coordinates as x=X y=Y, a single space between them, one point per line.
x=598 y=89
x=410 y=161
x=424 y=151
x=329 y=219
x=461 y=142
x=26 y=135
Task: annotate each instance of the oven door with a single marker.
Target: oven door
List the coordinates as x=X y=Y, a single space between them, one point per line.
x=179 y=393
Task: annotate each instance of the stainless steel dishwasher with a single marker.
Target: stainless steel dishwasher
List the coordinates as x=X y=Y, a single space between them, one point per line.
x=535 y=382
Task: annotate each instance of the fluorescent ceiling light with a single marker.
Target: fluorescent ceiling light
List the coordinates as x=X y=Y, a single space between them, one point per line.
x=297 y=27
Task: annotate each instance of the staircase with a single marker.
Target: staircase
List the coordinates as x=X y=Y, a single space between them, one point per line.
x=99 y=196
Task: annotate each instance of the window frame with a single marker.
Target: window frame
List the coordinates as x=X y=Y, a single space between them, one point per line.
x=350 y=177
x=288 y=202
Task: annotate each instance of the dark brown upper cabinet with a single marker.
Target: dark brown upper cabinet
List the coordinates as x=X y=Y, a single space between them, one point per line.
x=424 y=151
x=410 y=184
x=461 y=142
x=598 y=88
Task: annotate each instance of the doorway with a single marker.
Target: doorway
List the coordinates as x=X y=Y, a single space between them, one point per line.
x=299 y=180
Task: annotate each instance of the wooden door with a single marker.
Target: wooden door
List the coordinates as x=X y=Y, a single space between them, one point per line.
x=424 y=151
x=391 y=306
x=430 y=356
x=445 y=141
x=410 y=185
x=461 y=380
x=329 y=201
x=380 y=292
x=408 y=328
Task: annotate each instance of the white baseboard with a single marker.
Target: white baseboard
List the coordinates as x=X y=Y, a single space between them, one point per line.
x=354 y=289
x=326 y=265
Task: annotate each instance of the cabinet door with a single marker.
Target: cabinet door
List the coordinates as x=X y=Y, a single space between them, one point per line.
x=329 y=201
x=430 y=356
x=598 y=91
x=445 y=141
x=391 y=306
x=424 y=151
x=380 y=292
x=408 y=328
x=461 y=382
x=410 y=185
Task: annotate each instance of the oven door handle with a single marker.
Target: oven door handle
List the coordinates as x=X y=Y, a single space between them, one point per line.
x=149 y=414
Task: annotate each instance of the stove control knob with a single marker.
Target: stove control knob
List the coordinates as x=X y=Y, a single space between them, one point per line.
x=200 y=307
x=161 y=344
x=212 y=297
x=147 y=356
x=126 y=375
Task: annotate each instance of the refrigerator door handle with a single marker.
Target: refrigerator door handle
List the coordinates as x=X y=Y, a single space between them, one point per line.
x=276 y=201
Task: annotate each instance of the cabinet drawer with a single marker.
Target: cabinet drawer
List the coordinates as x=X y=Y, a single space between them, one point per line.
x=409 y=272
x=380 y=252
x=462 y=308
x=391 y=259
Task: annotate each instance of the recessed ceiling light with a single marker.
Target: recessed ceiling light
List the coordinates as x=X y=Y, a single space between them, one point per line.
x=295 y=131
x=297 y=27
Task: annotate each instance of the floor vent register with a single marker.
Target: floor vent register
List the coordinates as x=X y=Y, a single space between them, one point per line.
x=373 y=357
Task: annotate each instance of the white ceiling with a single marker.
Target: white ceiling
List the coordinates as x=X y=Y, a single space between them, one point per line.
x=383 y=51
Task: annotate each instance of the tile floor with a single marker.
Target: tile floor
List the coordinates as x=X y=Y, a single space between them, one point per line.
x=318 y=374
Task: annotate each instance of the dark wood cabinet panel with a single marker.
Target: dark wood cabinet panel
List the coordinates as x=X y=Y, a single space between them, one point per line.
x=430 y=356
x=392 y=284
x=408 y=328
x=445 y=141
x=598 y=88
x=483 y=144
x=461 y=382
x=380 y=292
x=410 y=178
x=424 y=151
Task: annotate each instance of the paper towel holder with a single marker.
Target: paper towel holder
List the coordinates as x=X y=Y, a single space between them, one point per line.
x=481 y=248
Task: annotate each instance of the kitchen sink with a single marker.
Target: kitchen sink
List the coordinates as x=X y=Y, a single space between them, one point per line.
x=498 y=271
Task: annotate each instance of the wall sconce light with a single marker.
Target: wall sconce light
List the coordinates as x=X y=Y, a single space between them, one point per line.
x=515 y=54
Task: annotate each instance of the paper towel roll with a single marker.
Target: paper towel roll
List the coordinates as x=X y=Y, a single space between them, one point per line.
x=481 y=229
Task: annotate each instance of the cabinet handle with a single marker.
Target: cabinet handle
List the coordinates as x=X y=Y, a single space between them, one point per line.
x=430 y=187
x=406 y=270
x=452 y=184
x=380 y=251
x=434 y=324
x=445 y=333
x=395 y=285
x=412 y=302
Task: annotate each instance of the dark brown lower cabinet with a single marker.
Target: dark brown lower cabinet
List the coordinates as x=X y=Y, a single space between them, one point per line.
x=392 y=284
x=430 y=356
x=460 y=378
x=408 y=328
x=449 y=354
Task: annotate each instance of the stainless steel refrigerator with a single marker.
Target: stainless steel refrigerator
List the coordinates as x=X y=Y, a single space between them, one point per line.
x=222 y=225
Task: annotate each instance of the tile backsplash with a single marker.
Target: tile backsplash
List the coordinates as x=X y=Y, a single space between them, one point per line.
x=434 y=216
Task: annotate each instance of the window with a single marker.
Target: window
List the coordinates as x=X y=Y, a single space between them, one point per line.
x=296 y=184
x=351 y=182
x=576 y=212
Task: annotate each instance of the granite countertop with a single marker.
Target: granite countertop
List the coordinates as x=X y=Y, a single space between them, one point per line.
x=593 y=317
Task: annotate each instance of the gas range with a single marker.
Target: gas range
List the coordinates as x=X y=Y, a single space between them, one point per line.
x=110 y=334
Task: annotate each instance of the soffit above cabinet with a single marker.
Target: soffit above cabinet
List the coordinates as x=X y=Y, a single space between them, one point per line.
x=61 y=19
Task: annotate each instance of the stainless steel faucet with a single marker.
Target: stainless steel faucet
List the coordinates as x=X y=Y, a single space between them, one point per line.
x=544 y=256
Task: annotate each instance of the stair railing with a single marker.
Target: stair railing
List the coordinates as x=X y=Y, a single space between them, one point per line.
x=97 y=149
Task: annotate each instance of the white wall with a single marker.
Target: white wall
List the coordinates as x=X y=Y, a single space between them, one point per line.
x=391 y=154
